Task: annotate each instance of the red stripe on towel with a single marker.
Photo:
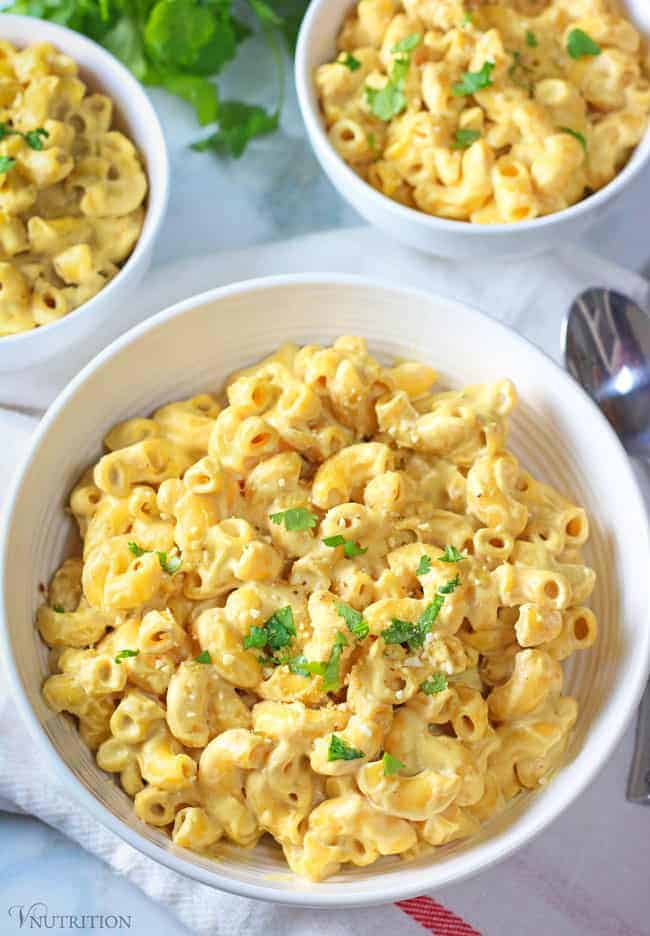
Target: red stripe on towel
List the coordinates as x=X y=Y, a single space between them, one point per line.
x=436 y=918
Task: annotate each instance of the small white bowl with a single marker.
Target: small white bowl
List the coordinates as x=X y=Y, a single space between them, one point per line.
x=134 y=114
x=556 y=432
x=458 y=239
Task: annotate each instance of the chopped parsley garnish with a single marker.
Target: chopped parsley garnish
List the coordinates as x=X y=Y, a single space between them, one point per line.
x=531 y=39
x=350 y=62
x=451 y=554
x=203 y=657
x=578 y=136
x=295 y=518
x=301 y=666
x=372 y=142
x=6 y=163
x=350 y=547
x=449 y=586
x=169 y=564
x=332 y=674
x=59 y=609
x=467 y=18
x=33 y=138
x=391 y=764
x=436 y=683
x=407 y=44
x=414 y=635
x=424 y=566
x=464 y=138
x=354 y=620
x=125 y=654
x=390 y=100
x=579 y=44
x=339 y=750
x=471 y=82
x=275 y=633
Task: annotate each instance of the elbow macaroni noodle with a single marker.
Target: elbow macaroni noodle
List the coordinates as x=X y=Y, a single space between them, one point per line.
x=486 y=112
x=334 y=610
x=72 y=189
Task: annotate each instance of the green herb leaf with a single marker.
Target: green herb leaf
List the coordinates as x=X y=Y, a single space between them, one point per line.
x=332 y=674
x=125 y=654
x=465 y=138
x=399 y=632
x=280 y=628
x=580 y=44
x=6 y=163
x=354 y=620
x=471 y=82
x=531 y=39
x=574 y=133
x=350 y=547
x=372 y=142
x=239 y=123
x=135 y=549
x=436 y=683
x=203 y=657
x=339 y=750
x=169 y=564
x=407 y=44
x=391 y=764
x=301 y=666
x=33 y=138
x=467 y=18
x=296 y=518
x=256 y=637
x=451 y=554
x=386 y=102
x=424 y=566
x=58 y=609
x=349 y=61
x=197 y=91
x=449 y=586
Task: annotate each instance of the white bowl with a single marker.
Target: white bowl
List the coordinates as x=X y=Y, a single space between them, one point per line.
x=457 y=239
x=557 y=432
x=134 y=114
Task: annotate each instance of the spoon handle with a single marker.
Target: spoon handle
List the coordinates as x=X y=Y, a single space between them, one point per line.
x=638 y=788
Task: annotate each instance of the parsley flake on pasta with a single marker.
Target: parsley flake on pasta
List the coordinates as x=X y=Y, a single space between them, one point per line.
x=332 y=674
x=169 y=564
x=276 y=632
x=463 y=138
x=436 y=683
x=301 y=666
x=350 y=62
x=203 y=657
x=350 y=547
x=424 y=566
x=471 y=82
x=531 y=39
x=125 y=655
x=391 y=764
x=339 y=750
x=354 y=620
x=295 y=519
x=579 y=43
x=6 y=163
x=451 y=554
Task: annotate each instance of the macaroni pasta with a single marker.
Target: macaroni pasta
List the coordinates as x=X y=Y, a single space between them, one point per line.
x=491 y=112
x=72 y=189
x=333 y=609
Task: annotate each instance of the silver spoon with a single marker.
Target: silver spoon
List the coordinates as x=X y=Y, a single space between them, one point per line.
x=607 y=350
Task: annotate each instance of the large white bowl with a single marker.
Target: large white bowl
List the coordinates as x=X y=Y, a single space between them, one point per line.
x=458 y=239
x=134 y=113
x=557 y=432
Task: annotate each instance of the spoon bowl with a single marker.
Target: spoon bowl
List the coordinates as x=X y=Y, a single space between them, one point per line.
x=607 y=350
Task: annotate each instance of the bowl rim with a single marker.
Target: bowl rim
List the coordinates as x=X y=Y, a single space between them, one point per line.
x=613 y=721
x=335 y=165
x=156 y=207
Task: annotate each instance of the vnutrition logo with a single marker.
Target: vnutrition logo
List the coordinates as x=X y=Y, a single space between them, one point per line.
x=38 y=916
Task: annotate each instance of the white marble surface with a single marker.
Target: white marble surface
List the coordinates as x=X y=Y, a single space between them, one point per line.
x=277 y=190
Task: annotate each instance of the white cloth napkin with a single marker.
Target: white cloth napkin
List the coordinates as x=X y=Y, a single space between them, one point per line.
x=588 y=873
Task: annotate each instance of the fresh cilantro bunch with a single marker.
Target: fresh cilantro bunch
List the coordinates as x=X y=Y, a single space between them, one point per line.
x=181 y=45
